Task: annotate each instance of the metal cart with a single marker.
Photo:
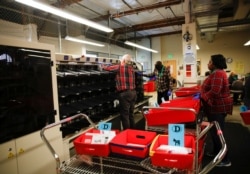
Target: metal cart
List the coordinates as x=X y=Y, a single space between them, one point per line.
x=176 y=115
x=99 y=165
x=116 y=164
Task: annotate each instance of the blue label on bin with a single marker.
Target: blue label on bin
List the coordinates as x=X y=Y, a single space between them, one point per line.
x=104 y=126
x=176 y=134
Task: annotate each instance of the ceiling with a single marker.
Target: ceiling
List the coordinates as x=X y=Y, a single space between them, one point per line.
x=133 y=19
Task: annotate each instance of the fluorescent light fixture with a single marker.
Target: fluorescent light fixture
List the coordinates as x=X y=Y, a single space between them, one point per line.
x=247 y=43
x=139 y=46
x=197 y=47
x=34 y=51
x=83 y=41
x=62 y=13
x=91 y=55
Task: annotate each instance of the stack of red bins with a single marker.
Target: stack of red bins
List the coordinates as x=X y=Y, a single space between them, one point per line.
x=158 y=117
x=187 y=91
x=178 y=110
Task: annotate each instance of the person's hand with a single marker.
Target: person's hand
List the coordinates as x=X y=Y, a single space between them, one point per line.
x=140 y=73
x=197 y=95
x=152 y=78
x=169 y=92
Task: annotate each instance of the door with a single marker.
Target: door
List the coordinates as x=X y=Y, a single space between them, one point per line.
x=173 y=68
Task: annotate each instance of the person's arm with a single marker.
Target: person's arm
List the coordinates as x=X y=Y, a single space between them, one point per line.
x=110 y=68
x=149 y=75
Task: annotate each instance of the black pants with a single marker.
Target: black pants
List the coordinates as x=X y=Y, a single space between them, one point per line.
x=161 y=95
x=127 y=101
x=220 y=118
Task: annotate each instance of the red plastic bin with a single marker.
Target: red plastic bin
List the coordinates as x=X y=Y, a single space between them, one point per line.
x=246 y=117
x=82 y=145
x=149 y=86
x=163 y=158
x=183 y=102
x=133 y=143
x=187 y=91
x=158 y=117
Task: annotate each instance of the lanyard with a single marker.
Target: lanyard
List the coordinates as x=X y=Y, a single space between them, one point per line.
x=161 y=73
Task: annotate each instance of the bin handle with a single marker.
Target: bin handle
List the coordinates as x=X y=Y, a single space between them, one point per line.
x=45 y=140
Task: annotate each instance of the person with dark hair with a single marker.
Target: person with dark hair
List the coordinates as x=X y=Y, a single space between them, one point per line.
x=246 y=99
x=163 y=81
x=216 y=100
x=238 y=88
x=232 y=77
x=125 y=86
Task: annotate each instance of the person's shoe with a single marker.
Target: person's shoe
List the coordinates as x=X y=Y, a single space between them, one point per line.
x=210 y=154
x=224 y=164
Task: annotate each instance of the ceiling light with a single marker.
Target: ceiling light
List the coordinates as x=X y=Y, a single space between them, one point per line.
x=83 y=41
x=139 y=46
x=66 y=15
x=247 y=43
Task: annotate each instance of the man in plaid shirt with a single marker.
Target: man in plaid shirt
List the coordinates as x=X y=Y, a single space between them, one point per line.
x=163 y=81
x=217 y=101
x=125 y=86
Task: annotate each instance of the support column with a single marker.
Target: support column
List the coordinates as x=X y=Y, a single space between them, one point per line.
x=189 y=48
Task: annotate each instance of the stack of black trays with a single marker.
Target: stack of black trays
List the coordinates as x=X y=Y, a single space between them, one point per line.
x=84 y=89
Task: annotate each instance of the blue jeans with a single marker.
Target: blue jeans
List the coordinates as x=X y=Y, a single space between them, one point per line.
x=127 y=101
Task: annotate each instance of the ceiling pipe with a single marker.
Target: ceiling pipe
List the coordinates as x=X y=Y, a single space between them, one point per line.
x=145 y=8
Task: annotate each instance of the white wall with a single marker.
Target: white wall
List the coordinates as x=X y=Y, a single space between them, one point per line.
x=143 y=56
x=156 y=45
x=230 y=44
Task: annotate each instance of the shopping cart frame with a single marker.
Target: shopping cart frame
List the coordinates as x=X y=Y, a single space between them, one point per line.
x=199 y=133
x=75 y=165
x=45 y=140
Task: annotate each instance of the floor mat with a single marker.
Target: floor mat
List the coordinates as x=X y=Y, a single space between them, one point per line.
x=238 y=141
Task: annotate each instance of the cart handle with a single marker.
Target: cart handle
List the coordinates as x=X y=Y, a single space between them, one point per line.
x=55 y=155
x=169 y=108
x=208 y=126
x=221 y=153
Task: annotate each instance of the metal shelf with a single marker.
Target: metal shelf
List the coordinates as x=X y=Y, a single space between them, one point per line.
x=107 y=165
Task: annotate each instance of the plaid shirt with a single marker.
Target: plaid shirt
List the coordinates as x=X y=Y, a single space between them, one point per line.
x=215 y=93
x=163 y=79
x=125 y=76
